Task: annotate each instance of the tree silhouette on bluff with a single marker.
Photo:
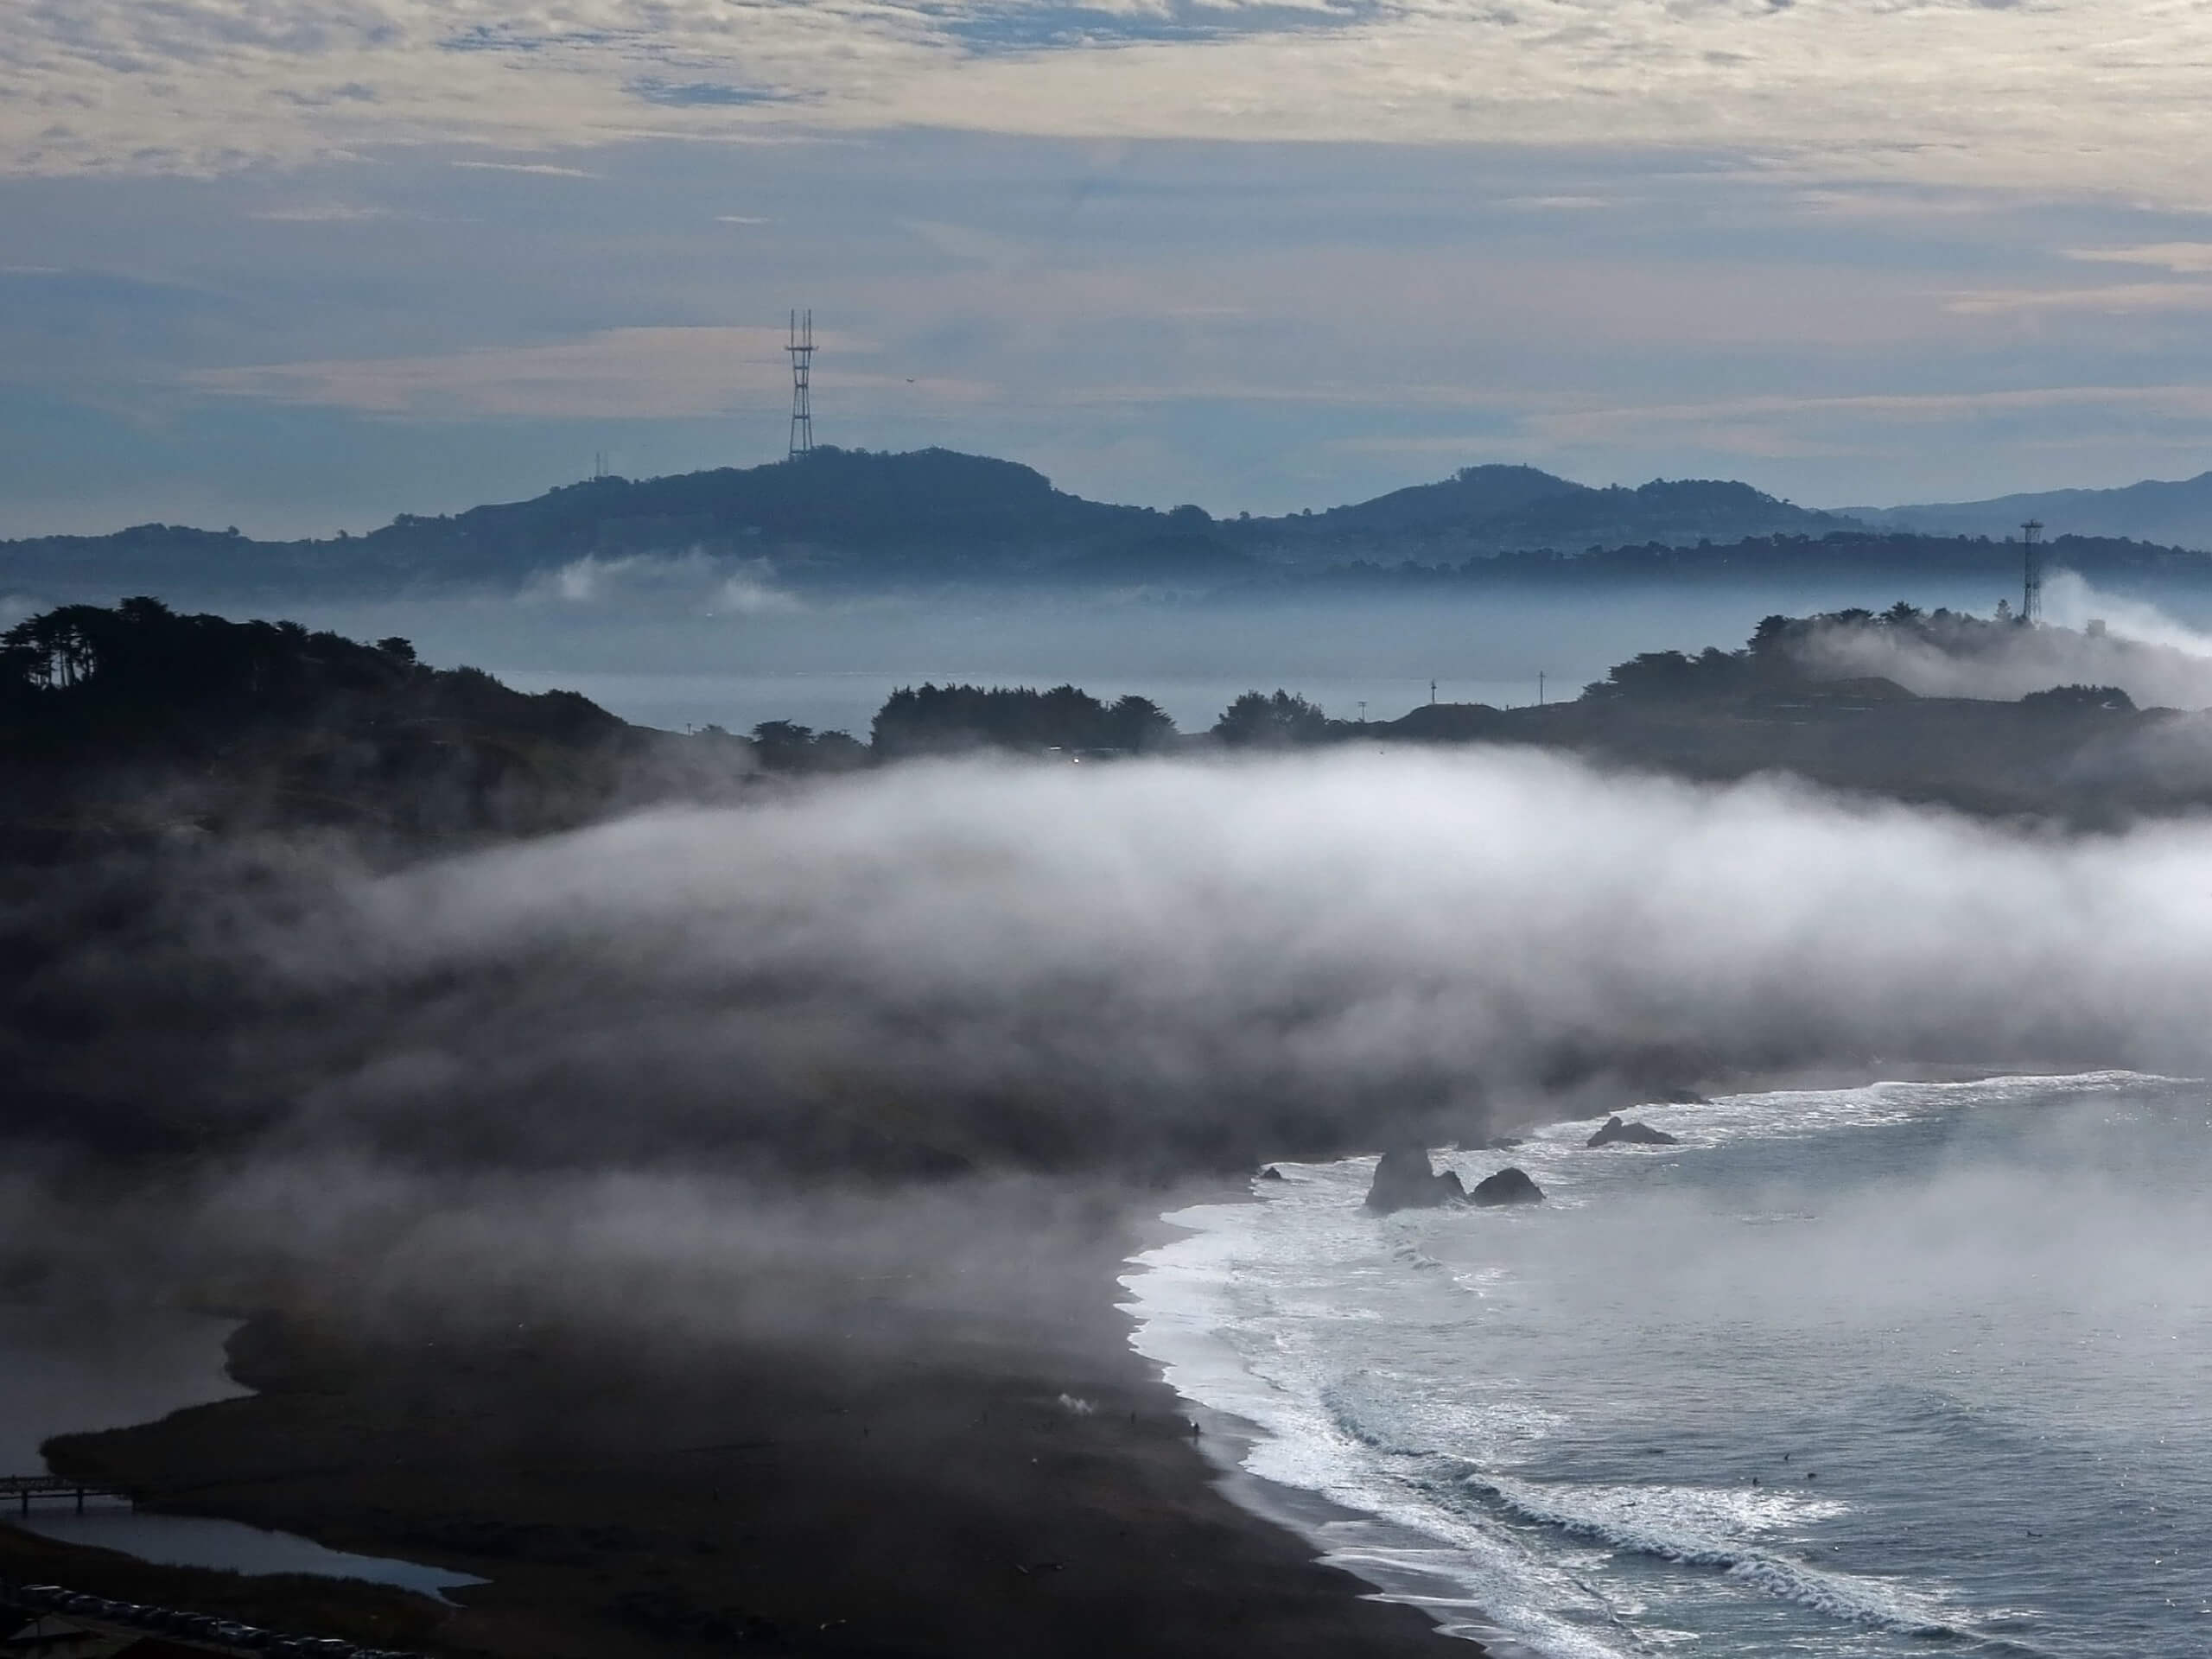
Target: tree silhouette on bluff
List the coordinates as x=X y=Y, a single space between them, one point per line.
x=1257 y=721
x=142 y=673
x=136 y=719
x=141 y=668
x=947 y=719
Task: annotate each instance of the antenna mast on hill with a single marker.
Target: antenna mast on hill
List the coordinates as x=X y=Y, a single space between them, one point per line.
x=2032 y=573
x=802 y=351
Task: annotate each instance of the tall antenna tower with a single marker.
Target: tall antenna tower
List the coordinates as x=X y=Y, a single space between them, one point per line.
x=2031 y=572
x=802 y=351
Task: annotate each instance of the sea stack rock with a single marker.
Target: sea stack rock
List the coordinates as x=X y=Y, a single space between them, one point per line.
x=1641 y=1134
x=1404 y=1180
x=1507 y=1187
x=1271 y=1173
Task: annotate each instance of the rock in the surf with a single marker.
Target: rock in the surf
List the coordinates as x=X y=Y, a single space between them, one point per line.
x=1642 y=1134
x=1271 y=1173
x=1404 y=1180
x=1507 y=1187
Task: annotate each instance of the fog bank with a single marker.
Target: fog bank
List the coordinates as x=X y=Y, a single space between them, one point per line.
x=2096 y=638
x=1161 y=952
x=680 y=1044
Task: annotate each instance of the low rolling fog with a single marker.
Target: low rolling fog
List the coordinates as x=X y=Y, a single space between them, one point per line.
x=572 y=1064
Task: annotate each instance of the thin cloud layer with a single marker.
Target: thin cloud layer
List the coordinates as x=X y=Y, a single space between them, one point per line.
x=616 y=373
x=2081 y=95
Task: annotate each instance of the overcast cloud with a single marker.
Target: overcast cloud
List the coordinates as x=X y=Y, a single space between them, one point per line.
x=2072 y=95
x=300 y=264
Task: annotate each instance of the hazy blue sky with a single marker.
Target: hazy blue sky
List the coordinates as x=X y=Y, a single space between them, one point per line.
x=299 y=264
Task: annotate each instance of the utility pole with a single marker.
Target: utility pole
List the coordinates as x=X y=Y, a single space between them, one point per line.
x=802 y=350
x=2031 y=572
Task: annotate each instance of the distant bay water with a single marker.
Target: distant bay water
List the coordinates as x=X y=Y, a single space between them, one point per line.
x=673 y=659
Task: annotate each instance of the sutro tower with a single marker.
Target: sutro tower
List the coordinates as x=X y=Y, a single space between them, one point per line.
x=802 y=351
x=2031 y=572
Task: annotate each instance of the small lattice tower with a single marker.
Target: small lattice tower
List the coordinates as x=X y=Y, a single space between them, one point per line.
x=802 y=351
x=2031 y=572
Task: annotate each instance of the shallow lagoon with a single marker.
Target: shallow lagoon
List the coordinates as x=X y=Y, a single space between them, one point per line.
x=73 y=1373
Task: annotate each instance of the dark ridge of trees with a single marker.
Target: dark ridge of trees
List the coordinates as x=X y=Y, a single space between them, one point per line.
x=949 y=719
x=1845 y=551
x=1258 y=721
x=2082 y=696
x=779 y=746
x=1773 y=659
x=140 y=673
x=953 y=719
x=136 y=719
x=1674 y=676
x=124 y=724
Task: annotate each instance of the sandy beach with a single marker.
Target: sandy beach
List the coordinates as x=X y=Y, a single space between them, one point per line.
x=1006 y=1488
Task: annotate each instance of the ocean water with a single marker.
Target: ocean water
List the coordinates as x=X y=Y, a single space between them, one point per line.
x=1910 y=1369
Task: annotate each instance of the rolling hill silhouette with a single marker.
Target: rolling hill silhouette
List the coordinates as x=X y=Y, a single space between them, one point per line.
x=854 y=519
x=2177 y=512
x=849 y=516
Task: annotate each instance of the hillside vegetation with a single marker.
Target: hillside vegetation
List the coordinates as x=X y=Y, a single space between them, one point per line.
x=135 y=721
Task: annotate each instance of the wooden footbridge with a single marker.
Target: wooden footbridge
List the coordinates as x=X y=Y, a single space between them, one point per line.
x=24 y=1487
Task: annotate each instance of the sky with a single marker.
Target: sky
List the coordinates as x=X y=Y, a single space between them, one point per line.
x=298 y=265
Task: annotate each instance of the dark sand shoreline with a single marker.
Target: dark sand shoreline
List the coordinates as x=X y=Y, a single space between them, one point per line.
x=889 y=1482
x=912 y=1491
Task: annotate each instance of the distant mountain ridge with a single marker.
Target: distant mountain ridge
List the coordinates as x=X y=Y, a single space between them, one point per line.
x=2177 y=513
x=1512 y=509
x=855 y=520
x=874 y=510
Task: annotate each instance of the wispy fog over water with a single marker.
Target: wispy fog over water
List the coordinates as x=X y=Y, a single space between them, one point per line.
x=1843 y=1373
